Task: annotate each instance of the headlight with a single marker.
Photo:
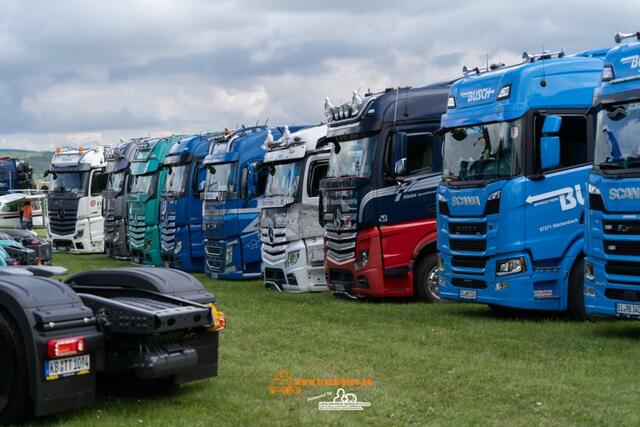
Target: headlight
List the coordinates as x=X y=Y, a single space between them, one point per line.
x=228 y=258
x=292 y=259
x=588 y=271
x=495 y=195
x=510 y=266
x=315 y=254
x=80 y=233
x=362 y=259
x=593 y=189
x=178 y=247
x=441 y=198
x=439 y=263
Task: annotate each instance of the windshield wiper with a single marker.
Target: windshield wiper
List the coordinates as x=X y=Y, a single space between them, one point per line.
x=628 y=163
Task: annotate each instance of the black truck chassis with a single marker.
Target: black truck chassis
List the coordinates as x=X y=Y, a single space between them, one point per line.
x=135 y=323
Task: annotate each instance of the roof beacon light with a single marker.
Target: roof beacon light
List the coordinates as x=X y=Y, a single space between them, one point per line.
x=328 y=108
x=286 y=136
x=621 y=36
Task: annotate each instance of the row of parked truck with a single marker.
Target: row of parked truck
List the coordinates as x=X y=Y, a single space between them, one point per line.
x=482 y=189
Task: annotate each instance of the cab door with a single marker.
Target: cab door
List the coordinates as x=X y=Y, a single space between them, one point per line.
x=554 y=198
x=97 y=185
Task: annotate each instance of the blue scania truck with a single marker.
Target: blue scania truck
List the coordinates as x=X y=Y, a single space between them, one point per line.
x=612 y=240
x=230 y=214
x=511 y=204
x=181 y=206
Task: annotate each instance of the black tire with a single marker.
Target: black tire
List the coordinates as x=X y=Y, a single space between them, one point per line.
x=575 y=293
x=14 y=400
x=425 y=279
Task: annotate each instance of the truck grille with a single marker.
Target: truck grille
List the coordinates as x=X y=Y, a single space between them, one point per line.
x=63 y=214
x=468 y=245
x=468 y=262
x=622 y=294
x=342 y=279
x=275 y=275
x=468 y=228
x=341 y=246
x=168 y=231
x=273 y=243
x=468 y=283
x=215 y=255
x=621 y=227
x=137 y=228
x=622 y=268
x=621 y=248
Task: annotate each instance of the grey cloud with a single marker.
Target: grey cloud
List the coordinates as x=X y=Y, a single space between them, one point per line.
x=166 y=62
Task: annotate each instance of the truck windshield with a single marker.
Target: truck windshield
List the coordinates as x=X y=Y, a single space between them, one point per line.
x=352 y=158
x=221 y=177
x=142 y=184
x=482 y=152
x=177 y=179
x=283 y=179
x=617 y=143
x=73 y=182
x=116 y=182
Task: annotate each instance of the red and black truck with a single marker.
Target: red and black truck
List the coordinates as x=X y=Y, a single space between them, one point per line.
x=378 y=200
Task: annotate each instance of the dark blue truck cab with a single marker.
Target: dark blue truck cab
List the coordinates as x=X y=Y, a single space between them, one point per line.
x=181 y=206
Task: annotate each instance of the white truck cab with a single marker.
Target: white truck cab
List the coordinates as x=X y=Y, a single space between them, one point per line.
x=74 y=202
x=292 y=238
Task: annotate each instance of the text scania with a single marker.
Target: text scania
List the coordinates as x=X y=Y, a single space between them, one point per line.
x=631 y=193
x=478 y=94
x=465 y=201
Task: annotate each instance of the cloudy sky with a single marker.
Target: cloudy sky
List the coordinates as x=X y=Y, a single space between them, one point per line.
x=87 y=72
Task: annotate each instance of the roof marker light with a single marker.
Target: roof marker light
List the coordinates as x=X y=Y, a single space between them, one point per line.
x=607 y=73
x=451 y=102
x=505 y=92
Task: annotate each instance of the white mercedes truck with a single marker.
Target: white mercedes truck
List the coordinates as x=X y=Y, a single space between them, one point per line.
x=291 y=234
x=74 y=202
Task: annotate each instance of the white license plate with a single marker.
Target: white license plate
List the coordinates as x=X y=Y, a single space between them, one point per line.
x=466 y=294
x=628 y=309
x=214 y=275
x=67 y=367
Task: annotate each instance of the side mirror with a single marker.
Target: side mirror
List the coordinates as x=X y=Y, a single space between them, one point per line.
x=46 y=173
x=550 y=143
x=549 y=152
x=400 y=167
x=399 y=153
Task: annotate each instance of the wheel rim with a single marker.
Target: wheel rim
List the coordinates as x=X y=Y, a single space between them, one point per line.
x=6 y=374
x=432 y=283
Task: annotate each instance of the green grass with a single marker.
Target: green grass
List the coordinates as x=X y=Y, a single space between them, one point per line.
x=442 y=364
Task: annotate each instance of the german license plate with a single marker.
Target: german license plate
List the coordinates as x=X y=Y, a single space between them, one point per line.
x=466 y=294
x=628 y=309
x=67 y=367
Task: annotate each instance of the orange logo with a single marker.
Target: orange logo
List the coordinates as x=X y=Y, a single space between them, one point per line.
x=283 y=382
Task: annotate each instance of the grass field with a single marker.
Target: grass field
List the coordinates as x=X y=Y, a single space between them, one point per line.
x=443 y=364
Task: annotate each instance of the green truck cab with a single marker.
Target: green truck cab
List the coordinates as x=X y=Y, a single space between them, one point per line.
x=143 y=200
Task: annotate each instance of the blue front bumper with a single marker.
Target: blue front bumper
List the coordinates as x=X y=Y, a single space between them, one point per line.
x=603 y=296
x=530 y=290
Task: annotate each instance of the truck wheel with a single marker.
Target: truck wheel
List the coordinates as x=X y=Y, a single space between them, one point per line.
x=425 y=281
x=14 y=403
x=575 y=293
